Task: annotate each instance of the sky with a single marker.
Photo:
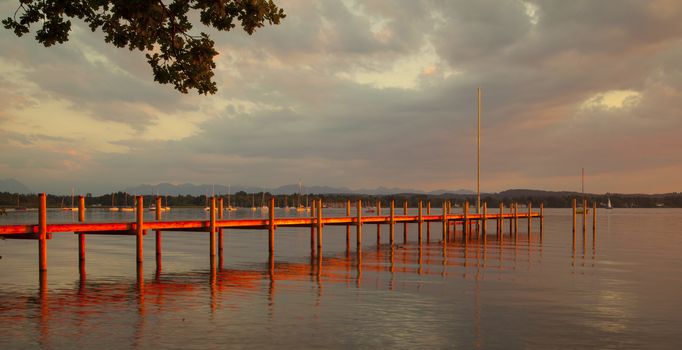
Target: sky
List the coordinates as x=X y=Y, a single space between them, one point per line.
x=363 y=94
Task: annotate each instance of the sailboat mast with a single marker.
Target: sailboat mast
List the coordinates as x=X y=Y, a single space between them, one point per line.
x=478 y=158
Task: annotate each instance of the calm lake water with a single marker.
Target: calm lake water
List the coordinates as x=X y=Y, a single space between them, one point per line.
x=622 y=290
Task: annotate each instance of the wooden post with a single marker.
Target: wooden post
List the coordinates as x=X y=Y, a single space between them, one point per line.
x=419 y=225
x=81 y=236
x=319 y=226
x=139 y=230
x=158 y=233
x=405 y=223
x=428 y=223
x=500 y=221
x=574 y=220
x=42 y=233
x=312 y=227
x=445 y=222
x=448 y=211
x=359 y=226
x=584 y=218
x=221 y=209
x=392 y=227
x=271 y=227
x=542 y=218
x=530 y=218
x=516 y=219
x=466 y=220
x=594 y=222
x=212 y=232
x=348 y=226
x=511 y=219
x=484 y=221
x=378 y=224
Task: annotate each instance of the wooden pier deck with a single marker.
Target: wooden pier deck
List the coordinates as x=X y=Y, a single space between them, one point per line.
x=42 y=231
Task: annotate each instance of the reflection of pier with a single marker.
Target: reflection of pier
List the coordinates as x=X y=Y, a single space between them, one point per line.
x=473 y=227
x=388 y=267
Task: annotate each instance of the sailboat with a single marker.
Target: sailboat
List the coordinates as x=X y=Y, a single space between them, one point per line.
x=299 y=206
x=71 y=208
x=580 y=209
x=608 y=204
x=113 y=203
x=126 y=207
x=263 y=207
x=253 y=202
x=229 y=202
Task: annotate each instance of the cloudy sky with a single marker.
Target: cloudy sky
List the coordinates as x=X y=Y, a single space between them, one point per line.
x=365 y=94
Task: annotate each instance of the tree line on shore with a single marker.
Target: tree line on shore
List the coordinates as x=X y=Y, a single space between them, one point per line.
x=246 y=200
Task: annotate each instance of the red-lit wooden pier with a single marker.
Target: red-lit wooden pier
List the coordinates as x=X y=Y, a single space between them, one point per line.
x=43 y=231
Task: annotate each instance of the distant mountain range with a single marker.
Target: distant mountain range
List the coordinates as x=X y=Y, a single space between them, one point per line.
x=13 y=186
x=197 y=190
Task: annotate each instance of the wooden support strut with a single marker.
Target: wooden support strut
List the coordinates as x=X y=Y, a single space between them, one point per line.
x=466 y=222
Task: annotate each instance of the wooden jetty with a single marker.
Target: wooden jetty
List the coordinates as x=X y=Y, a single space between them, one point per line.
x=42 y=231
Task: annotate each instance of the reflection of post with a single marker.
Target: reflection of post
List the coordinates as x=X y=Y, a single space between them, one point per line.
x=42 y=233
x=139 y=230
x=44 y=307
x=392 y=227
x=358 y=238
x=158 y=235
x=428 y=223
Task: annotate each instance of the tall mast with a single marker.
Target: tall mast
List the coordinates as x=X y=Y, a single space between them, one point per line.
x=478 y=157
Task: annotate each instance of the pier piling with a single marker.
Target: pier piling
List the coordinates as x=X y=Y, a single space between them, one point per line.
x=42 y=233
x=139 y=232
x=392 y=227
x=81 y=237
